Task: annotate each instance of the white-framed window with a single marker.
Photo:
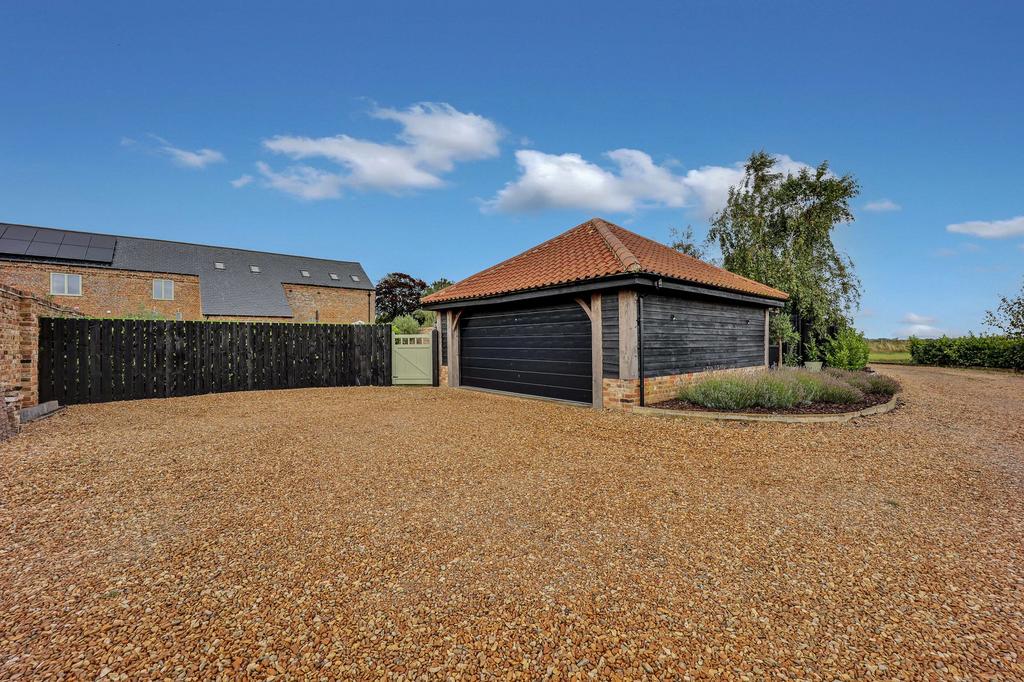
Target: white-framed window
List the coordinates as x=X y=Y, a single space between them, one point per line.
x=334 y=276
x=163 y=290
x=355 y=278
x=64 y=284
x=254 y=268
x=217 y=264
x=304 y=273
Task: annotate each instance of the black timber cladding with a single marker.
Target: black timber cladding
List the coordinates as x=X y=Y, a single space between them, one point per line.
x=682 y=335
x=534 y=349
x=93 y=361
x=610 y=334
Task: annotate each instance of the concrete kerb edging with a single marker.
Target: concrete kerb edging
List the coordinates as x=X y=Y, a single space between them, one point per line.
x=842 y=417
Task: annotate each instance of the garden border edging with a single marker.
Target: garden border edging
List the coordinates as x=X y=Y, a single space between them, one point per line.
x=841 y=417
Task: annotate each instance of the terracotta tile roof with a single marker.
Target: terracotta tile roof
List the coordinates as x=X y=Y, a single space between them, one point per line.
x=595 y=249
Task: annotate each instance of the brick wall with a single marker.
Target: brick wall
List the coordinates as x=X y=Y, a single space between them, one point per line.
x=108 y=293
x=122 y=293
x=19 y=352
x=334 y=306
x=620 y=394
x=624 y=394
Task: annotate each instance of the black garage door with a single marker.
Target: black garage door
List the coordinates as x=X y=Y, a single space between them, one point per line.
x=539 y=350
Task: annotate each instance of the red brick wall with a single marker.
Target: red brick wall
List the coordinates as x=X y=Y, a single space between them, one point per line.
x=335 y=306
x=624 y=394
x=120 y=293
x=108 y=293
x=19 y=352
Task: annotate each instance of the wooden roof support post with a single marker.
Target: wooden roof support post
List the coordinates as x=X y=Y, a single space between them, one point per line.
x=628 y=359
x=596 y=352
x=767 y=340
x=453 y=347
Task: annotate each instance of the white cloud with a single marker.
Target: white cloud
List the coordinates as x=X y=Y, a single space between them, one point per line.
x=304 y=182
x=914 y=318
x=990 y=229
x=924 y=331
x=200 y=158
x=241 y=181
x=882 y=205
x=635 y=181
x=923 y=326
x=434 y=137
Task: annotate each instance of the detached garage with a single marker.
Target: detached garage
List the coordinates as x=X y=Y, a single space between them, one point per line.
x=584 y=315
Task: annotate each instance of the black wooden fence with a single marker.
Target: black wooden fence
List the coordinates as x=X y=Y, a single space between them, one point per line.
x=94 y=361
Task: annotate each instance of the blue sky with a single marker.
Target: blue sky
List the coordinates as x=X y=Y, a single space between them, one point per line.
x=440 y=138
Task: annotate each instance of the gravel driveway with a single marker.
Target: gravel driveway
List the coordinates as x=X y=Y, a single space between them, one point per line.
x=417 y=532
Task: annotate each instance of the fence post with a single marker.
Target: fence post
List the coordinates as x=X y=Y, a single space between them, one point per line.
x=435 y=355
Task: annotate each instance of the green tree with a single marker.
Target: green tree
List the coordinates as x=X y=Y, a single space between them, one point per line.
x=405 y=324
x=848 y=350
x=1008 y=317
x=437 y=285
x=683 y=241
x=398 y=294
x=777 y=229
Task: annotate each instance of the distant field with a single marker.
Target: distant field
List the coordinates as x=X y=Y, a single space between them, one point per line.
x=889 y=358
x=889 y=345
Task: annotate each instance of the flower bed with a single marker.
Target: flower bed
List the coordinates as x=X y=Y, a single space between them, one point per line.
x=786 y=391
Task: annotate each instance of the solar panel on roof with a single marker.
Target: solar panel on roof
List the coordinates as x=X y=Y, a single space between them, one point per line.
x=102 y=241
x=18 y=240
x=49 y=236
x=15 y=247
x=42 y=249
x=71 y=252
x=76 y=239
x=19 y=232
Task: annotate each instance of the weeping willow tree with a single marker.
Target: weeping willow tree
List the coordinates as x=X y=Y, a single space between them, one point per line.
x=777 y=228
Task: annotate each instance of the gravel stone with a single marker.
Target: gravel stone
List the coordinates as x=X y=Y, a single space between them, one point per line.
x=417 y=533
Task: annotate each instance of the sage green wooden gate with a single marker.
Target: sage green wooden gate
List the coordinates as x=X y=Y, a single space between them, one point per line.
x=413 y=360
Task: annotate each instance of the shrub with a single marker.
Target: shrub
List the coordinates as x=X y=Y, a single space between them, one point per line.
x=405 y=324
x=780 y=389
x=858 y=380
x=848 y=350
x=1004 y=352
x=879 y=384
x=426 y=318
x=872 y=384
x=722 y=393
x=777 y=390
x=836 y=391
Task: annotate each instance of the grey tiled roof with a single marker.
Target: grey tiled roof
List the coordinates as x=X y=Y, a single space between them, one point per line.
x=235 y=290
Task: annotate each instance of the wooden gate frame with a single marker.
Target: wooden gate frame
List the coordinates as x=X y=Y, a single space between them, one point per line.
x=433 y=337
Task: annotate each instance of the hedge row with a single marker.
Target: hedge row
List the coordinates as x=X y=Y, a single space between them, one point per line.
x=969 y=351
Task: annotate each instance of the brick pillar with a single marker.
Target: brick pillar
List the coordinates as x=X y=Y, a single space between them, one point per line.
x=28 y=348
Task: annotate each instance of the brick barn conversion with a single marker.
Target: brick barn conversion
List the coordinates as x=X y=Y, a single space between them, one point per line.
x=101 y=275
x=584 y=315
